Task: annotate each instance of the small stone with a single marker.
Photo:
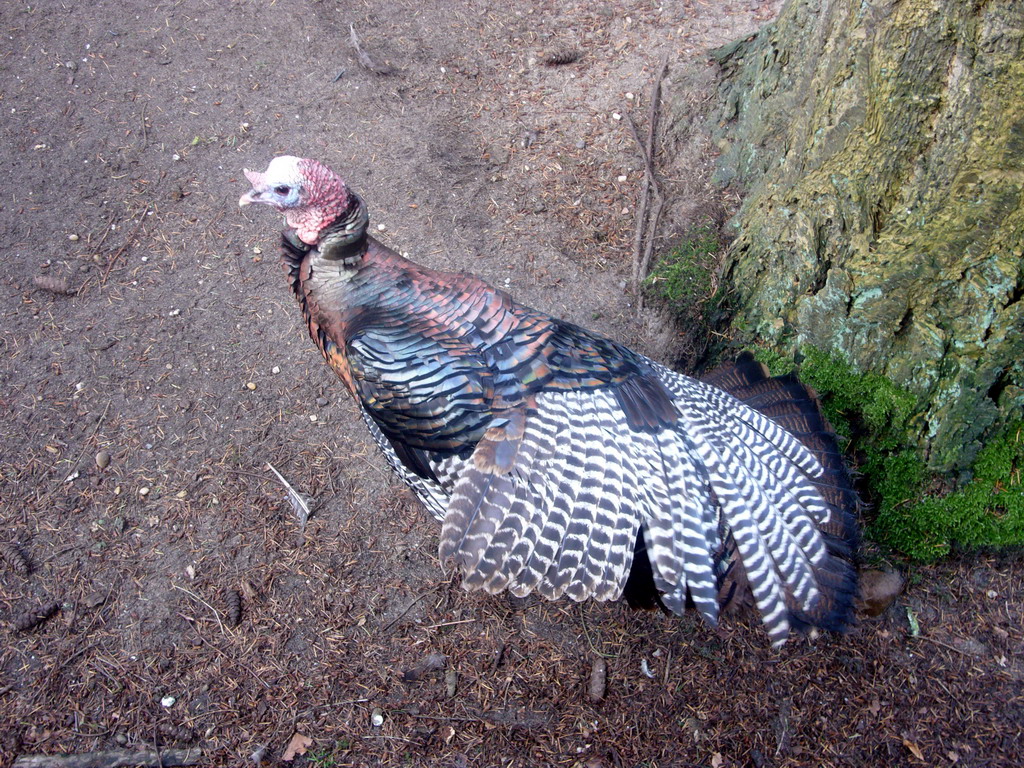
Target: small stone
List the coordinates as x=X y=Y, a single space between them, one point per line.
x=95 y=599
x=381 y=227
x=175 y=157
x=623 y=178
x=103 y=459
x=174 y=313
x=312 y=417
x=322 y=401
x=581 y=144
x=143 y=491
x=377 y=718
x=257 y=250
x=878 y=590
x=276 y=369
x=616 y=116
x=251 y=385
x=120 y=739
x=451 y=682
x=167 y=702
x=73 y=238
x=992 y=594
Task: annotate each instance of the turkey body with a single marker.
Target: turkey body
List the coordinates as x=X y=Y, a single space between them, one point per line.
x=561 y=462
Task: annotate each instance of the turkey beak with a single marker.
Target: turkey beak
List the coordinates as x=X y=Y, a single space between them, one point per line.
x=252 y=196
x=258 y=185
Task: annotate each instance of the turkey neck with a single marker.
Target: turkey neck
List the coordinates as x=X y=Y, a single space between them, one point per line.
x=344 y=240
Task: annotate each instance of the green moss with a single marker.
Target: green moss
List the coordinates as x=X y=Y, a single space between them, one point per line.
x=986 y=512
x=778 y=364
x=882 y=408
x=875 y=417
x=683 y=277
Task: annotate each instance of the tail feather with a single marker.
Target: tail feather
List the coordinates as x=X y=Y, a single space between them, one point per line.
x=796 y=408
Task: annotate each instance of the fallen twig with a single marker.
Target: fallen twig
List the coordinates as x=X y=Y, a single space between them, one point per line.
x=647 y=226
x=127 y=244
x=218 y=651
x=947 y=646
x=113 y=758
x=197 y=598
x=645 y=199
x=408 y=608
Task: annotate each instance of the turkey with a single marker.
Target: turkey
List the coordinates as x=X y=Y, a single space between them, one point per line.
x=557 y=460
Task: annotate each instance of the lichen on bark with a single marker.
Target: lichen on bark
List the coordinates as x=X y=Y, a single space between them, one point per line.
x=879 y=146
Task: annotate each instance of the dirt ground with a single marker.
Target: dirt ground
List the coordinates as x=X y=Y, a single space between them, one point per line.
x=146 y=327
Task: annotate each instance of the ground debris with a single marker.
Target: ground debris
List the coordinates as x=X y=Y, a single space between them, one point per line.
x=364 y=57
x=431 y=663
x=177 y=734
x=514 y=717
x=297 y=745
x=299 y=502
x=598 y=680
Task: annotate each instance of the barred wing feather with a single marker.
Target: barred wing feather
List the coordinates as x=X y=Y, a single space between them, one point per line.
x=564 y=520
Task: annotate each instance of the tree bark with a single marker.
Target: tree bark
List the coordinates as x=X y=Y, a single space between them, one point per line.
x=879 y=145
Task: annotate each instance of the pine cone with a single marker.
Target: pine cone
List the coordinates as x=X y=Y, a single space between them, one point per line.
x=233 y=602
x=33 y=617
x=15 y=558
x=559 y=57
x=54 y=284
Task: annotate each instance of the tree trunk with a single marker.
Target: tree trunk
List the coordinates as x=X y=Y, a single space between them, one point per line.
x=879 y=145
